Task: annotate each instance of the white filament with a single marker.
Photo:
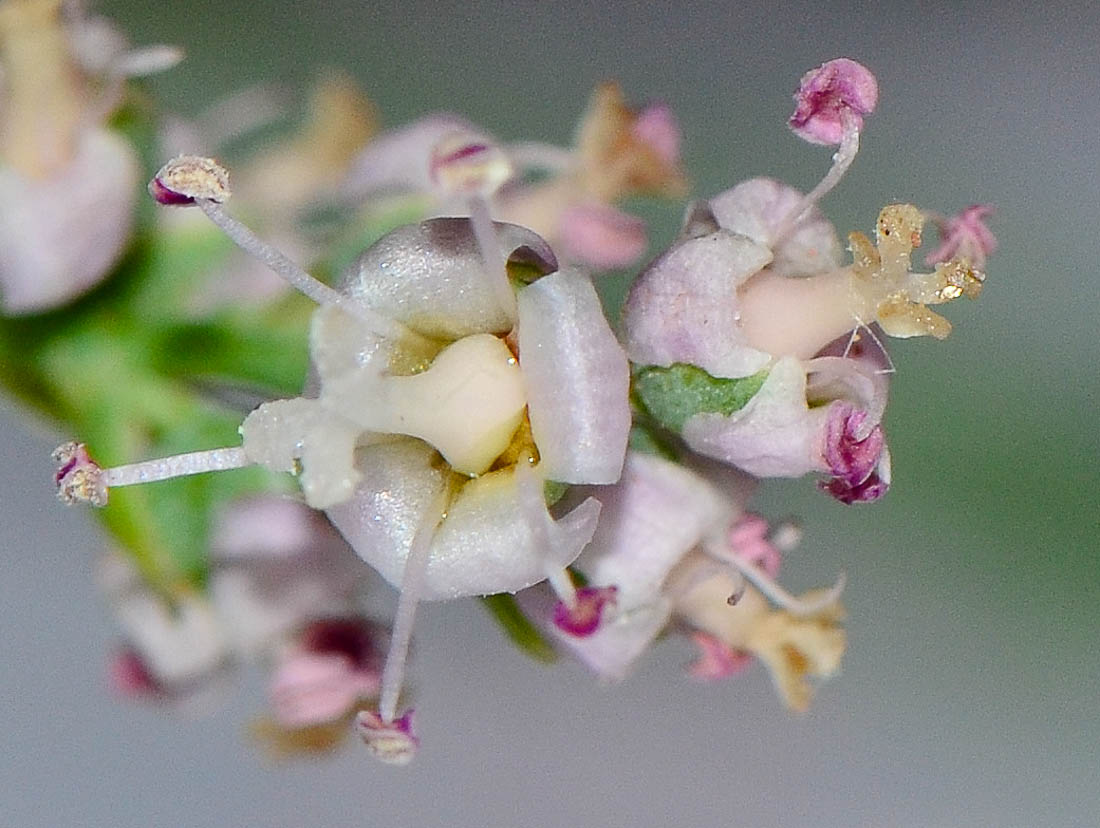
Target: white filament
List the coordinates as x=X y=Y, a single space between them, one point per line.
x=772 y=590
x=316 y=290
x=412 y=583
x=492 y=257
x=179 y=465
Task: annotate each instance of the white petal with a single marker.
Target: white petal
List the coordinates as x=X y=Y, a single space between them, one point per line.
x=484 y=545
x=431 y=277
x=578 y=380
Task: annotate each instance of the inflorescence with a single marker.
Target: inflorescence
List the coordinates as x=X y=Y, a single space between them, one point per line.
x=473 y=426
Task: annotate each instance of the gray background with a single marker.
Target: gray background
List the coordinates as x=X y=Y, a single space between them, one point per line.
x=969 y=692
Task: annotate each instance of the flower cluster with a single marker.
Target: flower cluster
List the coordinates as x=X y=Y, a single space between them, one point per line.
x=470 y=424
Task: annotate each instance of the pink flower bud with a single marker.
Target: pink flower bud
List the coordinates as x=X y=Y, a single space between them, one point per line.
x=831 y=99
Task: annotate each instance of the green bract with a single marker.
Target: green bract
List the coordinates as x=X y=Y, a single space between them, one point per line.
x=673 y=395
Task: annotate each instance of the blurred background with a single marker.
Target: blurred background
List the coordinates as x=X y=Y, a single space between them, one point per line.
x=969 y=691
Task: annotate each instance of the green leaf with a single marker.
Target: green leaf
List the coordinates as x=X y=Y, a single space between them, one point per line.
x=518 y=627
x=672 y=395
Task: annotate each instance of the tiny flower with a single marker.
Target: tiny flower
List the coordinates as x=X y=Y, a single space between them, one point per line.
x=665 y=534
x=965 y=237
x=333 y=665
x=618 y=152
x=832 y=99
x=441 y=411
x=795 y=647
x=68 y=184
x=394 y=742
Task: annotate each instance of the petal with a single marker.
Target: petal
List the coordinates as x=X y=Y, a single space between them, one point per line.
x=484 y=546
x=430 y=276
x=683 y=307
x=60 y=236
x=399 y=160
x=577 y=378
x=600 y=237
x=756 y=208
x=651 y=518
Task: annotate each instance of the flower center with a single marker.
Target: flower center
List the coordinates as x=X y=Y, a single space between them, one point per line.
x=467 y=405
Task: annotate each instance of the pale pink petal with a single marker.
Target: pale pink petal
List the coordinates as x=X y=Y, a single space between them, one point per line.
x=656 y=127
x=600 y=237
x=651 y=518
x=683 y=307
x=757 y=208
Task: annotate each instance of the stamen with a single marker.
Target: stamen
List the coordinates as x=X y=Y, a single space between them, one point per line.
x=496 y=266
x=203 y=182
x=412 y=583
x=81 y=479
x=179 y=465
x=842 y=160
x=472 y=166
x=298 y=278
x=772 y=590
x=532 y=504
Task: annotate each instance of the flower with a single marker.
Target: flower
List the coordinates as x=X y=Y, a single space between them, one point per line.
x=325 y=672
x=726 y=328
x=283 y=586
x=676 y=546
x=68 y=184
x=618 y=152
x=445 y=402
x=795 y=647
